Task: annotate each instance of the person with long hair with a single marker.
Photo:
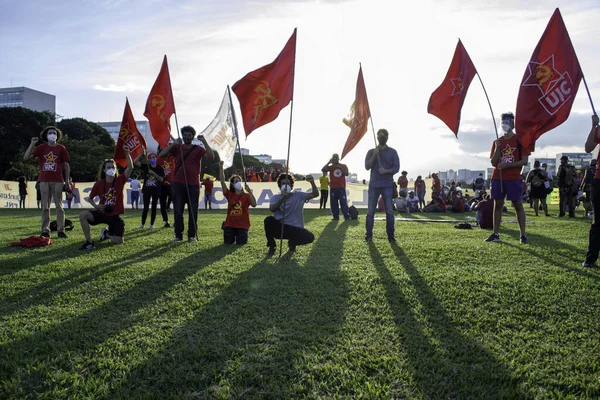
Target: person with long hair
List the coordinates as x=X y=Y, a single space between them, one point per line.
x=237 y=223
x=153 y=177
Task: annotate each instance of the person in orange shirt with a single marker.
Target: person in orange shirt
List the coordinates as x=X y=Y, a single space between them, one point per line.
x=208 y=189
x=237 y=223
x=403 y=183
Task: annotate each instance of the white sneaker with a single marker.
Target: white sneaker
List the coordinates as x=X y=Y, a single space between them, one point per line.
x=192 y=239
x=151 y=226
x=141 y=226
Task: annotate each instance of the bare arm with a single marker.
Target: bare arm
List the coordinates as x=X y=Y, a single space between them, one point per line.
x=315 y=191
x=590 y=143
x=252 y=198
x=129 y=168
x=371 y=157
x=28 y=153
x=167 y=150
x=496 y=156
x=222 y=177
x=209 y=151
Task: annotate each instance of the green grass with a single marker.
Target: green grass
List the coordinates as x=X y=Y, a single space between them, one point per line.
x=440 y=315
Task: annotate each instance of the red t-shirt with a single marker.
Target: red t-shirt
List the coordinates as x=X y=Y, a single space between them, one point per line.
x=208 y=185
x=110 y=194
x=403 y=182
x=337 y=176
x=509 y=153
x=437 y=187
x=420 y=186
x=51 y=161
x=168 y=166
x=238 y=215
x=192 y=164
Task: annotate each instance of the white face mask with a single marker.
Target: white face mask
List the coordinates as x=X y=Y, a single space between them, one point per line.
x=52 y=137
x=286 y=188
x=111 y=172
x=238 y=186
x=505 y=127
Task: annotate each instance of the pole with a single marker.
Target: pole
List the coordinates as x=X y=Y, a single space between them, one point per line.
x=588 y=93
x=494 y=121
x=237 y=137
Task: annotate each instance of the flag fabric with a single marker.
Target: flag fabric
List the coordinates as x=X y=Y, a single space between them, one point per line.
x=130 y=136
x=549 y=85
x=263 y=93
x=358 y=117
x=160 y=106
x=447 y=100
x=220 y=134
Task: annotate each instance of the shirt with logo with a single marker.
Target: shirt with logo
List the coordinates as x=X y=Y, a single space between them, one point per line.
x=110 y=194
x=337 y=176
x=238 y=214
x=51 y=162
x=168 y=166
x=151 y=184
x=191 y=167
x=509 y=153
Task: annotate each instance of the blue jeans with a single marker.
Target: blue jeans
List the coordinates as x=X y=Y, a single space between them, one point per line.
x=386 y=193
x=339 y=194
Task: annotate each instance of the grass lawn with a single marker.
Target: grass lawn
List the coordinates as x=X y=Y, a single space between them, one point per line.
x=439 y=315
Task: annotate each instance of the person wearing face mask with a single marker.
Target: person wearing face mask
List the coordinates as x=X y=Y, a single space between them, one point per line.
x=54 y=175
x=337 y=183
x=383 y=161
x=153 y=177
x=237 y=223
x=289 y=210
x=185 y=185
x=508 y=158
x=109 y=191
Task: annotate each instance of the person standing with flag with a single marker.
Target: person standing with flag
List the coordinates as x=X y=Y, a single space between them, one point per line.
x=337 y=183
x=508 y=157
x=594 y=238
x=383 y=162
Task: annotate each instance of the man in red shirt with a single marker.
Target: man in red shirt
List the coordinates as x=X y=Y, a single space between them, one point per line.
x=337 y=185
x=185 y=186
x=507 y=155
x=208 y=189
x=403 y=183
x=54 y=175
x=109 y=189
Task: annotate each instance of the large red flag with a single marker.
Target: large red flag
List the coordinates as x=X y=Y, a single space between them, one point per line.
x=549 y=84
x=263 y=93
x=447 y=100
x=130 y=136
x=358 y=117
x=160 y=106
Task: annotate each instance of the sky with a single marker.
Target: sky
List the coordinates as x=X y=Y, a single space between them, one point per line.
x=91 y=54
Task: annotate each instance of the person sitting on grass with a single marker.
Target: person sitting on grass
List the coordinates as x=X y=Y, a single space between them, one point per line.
x=436 y=205
x=412 y=202
x=109 y=189
x=485 y=213
x=291 y=205
x=401 y=203
x=237 y=223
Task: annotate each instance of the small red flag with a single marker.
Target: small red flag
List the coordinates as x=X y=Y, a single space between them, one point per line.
x=130 y=136
x=358 y=117
x=263 y=93
x=160 y=106
x=549 y=84
x=447 y=100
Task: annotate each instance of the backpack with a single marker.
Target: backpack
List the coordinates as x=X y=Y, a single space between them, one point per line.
x=536 y=181
x=353 y=212
x=569 y=173
x=68 y=225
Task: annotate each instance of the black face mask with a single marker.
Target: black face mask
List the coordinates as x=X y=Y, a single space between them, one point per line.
x=187 y=139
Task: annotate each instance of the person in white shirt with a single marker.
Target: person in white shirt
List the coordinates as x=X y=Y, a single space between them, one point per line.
x=412 y=202
x=135 y=185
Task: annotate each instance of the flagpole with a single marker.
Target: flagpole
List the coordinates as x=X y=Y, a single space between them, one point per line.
x=588 y=93
x=237 y=137
x=370 y=115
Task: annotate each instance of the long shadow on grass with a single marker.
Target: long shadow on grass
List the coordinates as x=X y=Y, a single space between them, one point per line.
x=250 y=339
x=448 y=365
x=56 y=347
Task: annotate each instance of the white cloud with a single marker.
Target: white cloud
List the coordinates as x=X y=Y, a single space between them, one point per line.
x=127 y=87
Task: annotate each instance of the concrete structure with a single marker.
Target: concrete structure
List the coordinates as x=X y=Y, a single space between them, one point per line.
x=28 y=98
x=143 y=126
x=280 y=161
x=263 y=158
x=245 y=152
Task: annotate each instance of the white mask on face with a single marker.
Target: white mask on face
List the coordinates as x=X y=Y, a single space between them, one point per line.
x=238 y=186
x=111 y=172
x=286 y=188
x=52 y=137
x=506 y=126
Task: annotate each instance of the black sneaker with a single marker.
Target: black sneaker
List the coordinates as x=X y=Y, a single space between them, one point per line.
x=104 y=234
x=392 y=239
x=524 y=239
x=88 y=246
x=45 y=234
x=335 y=219
x=62 y=235
x=291 y=246
x=271 y=250
x=167 y=225
x=368 y=239
x=494 y=237
x=588 y=264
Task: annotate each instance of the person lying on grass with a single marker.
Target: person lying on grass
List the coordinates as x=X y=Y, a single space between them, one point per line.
x=237 y=223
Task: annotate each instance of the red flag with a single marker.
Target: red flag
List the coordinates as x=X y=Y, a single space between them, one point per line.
x=358 y=117
x=447 y=100
x=263 y=93
x=160 y=106
x=130 y=136
x=549 y=84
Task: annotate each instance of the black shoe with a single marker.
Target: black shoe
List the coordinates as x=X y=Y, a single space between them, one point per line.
x=524 y=240
x=45 y=234
x=494 y=237
x=88 y=246
x=335 y=219
x=62 y=235
x=167 y=225
x=571 y=216
x=271 y=250
x=561 y=215
x=368 y=239
x=392 y=239
x=291 y=247
x=588 y=264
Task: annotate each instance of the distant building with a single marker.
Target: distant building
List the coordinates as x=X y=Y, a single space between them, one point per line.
x=488 y=173
x=578 y=160
x=28 y=98
x=245 y=152
x=263 y=158
x=143 y=126
x=280 y=161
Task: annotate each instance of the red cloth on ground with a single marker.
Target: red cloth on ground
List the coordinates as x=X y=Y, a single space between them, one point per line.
x=33 y=241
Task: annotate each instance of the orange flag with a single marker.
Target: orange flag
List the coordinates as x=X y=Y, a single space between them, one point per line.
x=130 y=136
x=358 y=117
x=263 y=93
x=160 y=106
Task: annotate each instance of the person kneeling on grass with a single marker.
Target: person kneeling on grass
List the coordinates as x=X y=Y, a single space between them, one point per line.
x=291 y=205
x=109 y=189
x=237 y=223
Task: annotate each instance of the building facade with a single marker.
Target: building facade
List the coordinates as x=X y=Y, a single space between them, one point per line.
x=578 y=160
x=28 y=98
x=143 y=126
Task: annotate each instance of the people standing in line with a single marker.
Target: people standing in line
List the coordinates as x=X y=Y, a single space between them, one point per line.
x=153 y=177
x=237 y=222
x=536 y=178
x=507 y=155
x=566 y=177
x=288 y=208
x=168 y=166
x=420 y=190
x=22 y=191
x=135 y=185
x=54 y=175
x=594 y=237
x=185 y=186
x=324 y=184
x=208 y=192
x=383 y=162
x=337 y=184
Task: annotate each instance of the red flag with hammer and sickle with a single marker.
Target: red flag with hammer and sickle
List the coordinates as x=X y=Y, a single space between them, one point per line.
x=447 y=100
x=358 y=117
x=130 y=136
x=263 y=93
x=160 y=106
x=549 y=84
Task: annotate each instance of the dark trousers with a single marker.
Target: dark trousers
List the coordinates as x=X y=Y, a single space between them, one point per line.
x=165 y=199
x=294 y=234
x=566 y=199
x=594 y=242
x=180 y=199
x=147 y=196
x=339 y=200
x=235 y=235
x=323 y=200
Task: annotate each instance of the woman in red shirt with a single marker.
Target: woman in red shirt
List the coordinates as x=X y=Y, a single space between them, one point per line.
x=237 y=223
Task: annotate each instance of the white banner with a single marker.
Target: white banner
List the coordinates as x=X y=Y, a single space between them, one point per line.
x=220 y=134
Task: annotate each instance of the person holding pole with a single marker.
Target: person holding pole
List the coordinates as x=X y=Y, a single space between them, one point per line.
x=237 y=223
x=508 y=157
x=594 y=238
